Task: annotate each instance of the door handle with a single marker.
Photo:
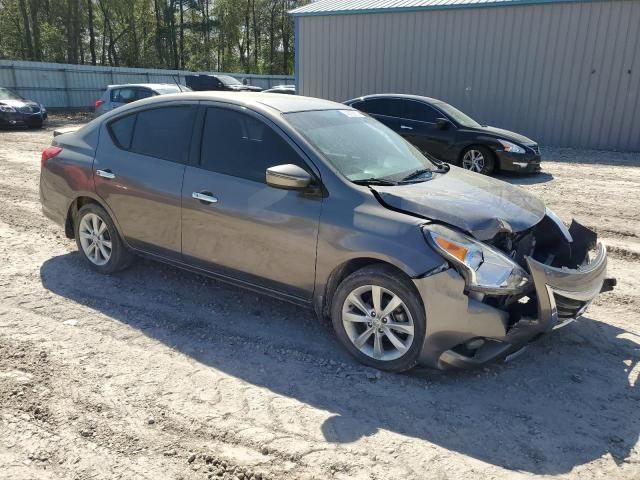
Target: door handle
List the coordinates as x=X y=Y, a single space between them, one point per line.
x=204 y=197
x=106 y=174
x=405 y=127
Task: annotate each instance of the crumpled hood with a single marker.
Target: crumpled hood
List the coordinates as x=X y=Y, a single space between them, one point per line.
x=475 y=203
x=505 y=135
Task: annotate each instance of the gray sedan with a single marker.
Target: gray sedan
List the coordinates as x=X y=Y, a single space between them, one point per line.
x=413 y=261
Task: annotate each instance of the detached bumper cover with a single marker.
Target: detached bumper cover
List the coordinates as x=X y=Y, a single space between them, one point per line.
x=453 y=318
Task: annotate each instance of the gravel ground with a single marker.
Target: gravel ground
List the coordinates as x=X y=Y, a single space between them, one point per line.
x=157 y=373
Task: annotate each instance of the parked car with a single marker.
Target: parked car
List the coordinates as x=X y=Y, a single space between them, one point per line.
x=18 y=111
x=199 y=83
x=313 y=202
x=441 y=130
x=118 y=95
x=286 y=89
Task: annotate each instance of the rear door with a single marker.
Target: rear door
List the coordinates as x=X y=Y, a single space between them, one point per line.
x=138 y=172
x=385 y=110
x=246 y=229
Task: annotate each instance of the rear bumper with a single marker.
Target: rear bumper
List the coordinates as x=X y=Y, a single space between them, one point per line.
x=528 y=162
x=453 y=318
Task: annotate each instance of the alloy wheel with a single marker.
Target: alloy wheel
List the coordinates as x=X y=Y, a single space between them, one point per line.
x=473 y=160
x=95 y=239
x=378 y=322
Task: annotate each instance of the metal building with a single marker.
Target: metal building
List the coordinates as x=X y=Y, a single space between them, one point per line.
x=564 y=72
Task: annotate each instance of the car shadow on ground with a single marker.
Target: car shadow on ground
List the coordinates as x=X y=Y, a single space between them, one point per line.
x=528 y=179
x=567 y=401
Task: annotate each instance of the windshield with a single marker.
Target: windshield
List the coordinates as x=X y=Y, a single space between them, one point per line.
x=172 y=89
x=458 y=116
x=6 y=94
x=229 y=80
x=360 y=147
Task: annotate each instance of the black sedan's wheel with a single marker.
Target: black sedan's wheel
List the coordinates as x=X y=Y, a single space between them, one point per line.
x=478 y=159
x=379 y=318
x=99 y=241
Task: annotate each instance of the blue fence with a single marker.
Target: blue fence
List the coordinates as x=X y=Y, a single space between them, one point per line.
x=59 y=85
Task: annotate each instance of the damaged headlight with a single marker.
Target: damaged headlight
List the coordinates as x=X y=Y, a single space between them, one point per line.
x=484 y=268
x=7 y=108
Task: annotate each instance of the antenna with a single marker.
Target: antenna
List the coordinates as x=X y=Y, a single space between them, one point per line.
x=176 y=82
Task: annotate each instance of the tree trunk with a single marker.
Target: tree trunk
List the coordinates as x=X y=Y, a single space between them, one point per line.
x=34 y=8
x=158 y=39
x=27 y=29
x=92 y=36
x=182 y=59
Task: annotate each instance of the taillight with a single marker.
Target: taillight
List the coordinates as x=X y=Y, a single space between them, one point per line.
x=49 y=153
x=99 y=103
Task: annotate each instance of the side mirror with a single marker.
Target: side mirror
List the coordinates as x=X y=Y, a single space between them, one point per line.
x=443 y=123
x=288 y=177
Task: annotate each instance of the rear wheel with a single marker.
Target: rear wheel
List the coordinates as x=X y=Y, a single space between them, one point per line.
x=379 y=318
x=478 y=159
x=99 y=241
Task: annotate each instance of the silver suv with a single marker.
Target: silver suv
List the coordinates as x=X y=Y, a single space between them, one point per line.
x=118 y=95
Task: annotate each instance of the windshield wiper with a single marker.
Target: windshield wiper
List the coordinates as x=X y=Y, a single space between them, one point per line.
x=416 y=174
x=374 y=181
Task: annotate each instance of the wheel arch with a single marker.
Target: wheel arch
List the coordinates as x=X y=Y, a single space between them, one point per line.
x=323 y=298
x=82 y=199
x=489 y=148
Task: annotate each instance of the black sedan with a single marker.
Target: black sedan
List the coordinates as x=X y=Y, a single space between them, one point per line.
x=18 y=111
x=443 y=131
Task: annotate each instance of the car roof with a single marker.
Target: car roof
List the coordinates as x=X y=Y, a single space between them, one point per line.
x=147 y=85
x=256 y=100
x=404 y=96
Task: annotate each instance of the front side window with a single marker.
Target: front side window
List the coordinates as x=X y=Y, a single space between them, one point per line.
x=360 y=147
x=163 y=132
x=420 y=111
x=240 y=145
x=460 y=117
x=144 y=93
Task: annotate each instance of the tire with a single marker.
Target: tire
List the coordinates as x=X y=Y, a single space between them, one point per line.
x=478 y=159
x=351 y=324
x=103 y=260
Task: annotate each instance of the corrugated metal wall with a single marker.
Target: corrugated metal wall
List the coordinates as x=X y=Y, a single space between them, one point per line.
x=564 y=74
x=79 y=86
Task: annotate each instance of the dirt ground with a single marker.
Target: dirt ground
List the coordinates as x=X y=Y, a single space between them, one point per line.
x=157 y=373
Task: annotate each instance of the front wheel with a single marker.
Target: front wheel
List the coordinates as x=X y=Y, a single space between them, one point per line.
x=379 y=318
x=478 y=159
x=99 y=241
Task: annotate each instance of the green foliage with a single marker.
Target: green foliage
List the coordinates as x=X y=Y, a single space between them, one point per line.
x=223 y=35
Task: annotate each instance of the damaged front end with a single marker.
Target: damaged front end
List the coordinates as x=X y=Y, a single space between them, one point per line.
x=559 y=272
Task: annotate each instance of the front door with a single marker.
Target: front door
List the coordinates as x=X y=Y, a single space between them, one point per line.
x=419 y=126
x=238 y=226
x=138 y=172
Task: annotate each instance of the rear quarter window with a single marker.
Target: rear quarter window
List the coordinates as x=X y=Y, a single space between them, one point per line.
x=122 y=131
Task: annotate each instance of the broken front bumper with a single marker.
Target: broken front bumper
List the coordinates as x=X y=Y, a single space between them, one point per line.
x=454 y=318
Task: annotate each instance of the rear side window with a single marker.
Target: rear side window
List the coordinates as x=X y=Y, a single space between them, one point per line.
x=163 y=132
x=124 y=95
x=382 y=106
x=240 y=145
